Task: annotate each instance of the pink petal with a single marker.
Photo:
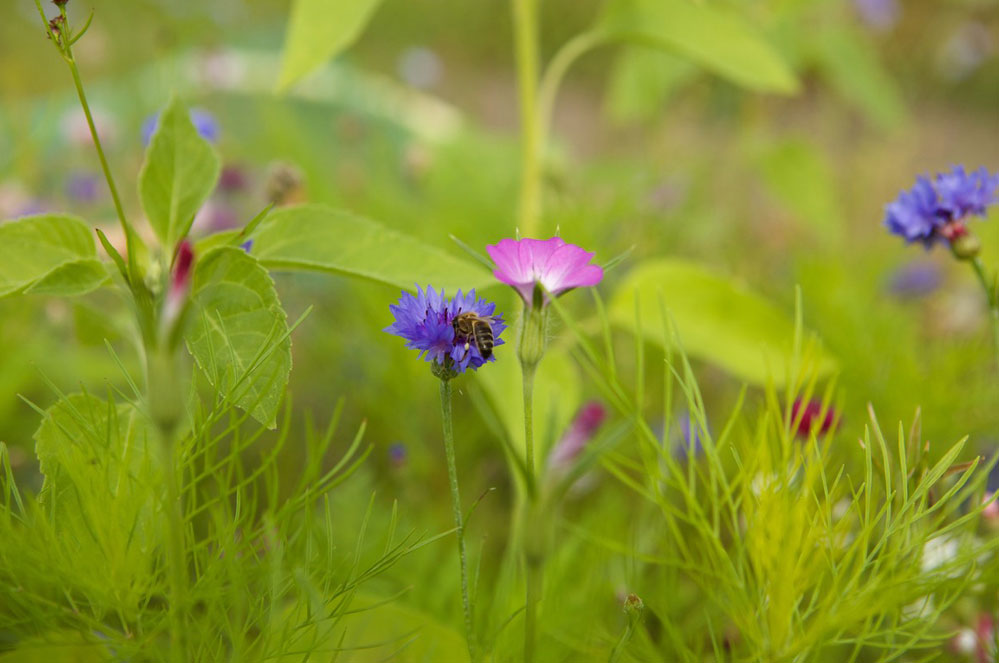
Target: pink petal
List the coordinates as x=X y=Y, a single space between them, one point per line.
x=569 y=267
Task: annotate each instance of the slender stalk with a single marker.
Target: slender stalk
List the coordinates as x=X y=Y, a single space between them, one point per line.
x=176 y=562
x=992 y=296
x=64 y=43
x=532 y=536
x=459 y=524
x=525 y=29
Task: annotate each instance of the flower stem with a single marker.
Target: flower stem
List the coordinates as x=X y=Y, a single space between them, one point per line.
x=459 y=524
x=176 y=562
x=531 y=536
x=992 y=296
x=525 y=27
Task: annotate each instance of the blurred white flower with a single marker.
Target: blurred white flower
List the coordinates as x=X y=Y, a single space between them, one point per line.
x=420 y=67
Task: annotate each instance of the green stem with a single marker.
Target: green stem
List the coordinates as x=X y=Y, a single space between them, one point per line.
x=176 y=562
x=533 y=556
x=992 y=296
x=555 y=72
x=525 y=28
x=459 y=524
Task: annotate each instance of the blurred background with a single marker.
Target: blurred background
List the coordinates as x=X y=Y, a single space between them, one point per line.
x=416 y=127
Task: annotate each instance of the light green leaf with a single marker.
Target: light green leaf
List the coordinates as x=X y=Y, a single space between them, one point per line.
x=642 y=81
x=179 y=173
x=710 y=36
x=320 y=238
x=851 y=65
x=319 y=30
x=717 y=319
x=239 y=332
x=101 y=475
x=800 y=177
x=557 y=393
x=52 y=254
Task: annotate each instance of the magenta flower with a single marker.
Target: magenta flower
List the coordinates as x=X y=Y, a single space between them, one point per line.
x=557 y=266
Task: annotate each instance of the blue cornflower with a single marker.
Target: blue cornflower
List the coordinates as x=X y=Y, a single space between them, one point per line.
x=203 y=121
x=915 y=279
x=426 y=321
x=936 y=210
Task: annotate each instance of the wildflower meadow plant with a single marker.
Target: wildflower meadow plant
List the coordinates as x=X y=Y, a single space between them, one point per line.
x=538 y=270
x=937 y=211
x=454 y=335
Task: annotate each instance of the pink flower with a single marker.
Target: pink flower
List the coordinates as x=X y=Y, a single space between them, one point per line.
x=557 y=266
x=580 y=432
x=810 y=414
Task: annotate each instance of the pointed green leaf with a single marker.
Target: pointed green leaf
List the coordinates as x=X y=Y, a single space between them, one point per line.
x=642 y=81
x=51 y=254
x=239 y=332
x=319 y=30
x=179 y=173
x=320 y=238
x=713 y=37
x=717 y=319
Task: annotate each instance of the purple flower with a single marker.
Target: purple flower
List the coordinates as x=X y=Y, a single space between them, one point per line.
x=426 y=321
x=878 y=14
x=915 y=279
x=83 y=187
x=557 y=266
x=690 y=445
x=247 y=245
x=580 y=432
x=202 y=120
x=936 y=211
x=962 y=194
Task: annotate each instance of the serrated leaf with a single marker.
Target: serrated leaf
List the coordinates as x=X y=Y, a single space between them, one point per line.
x=179 y=173
x=319 y=30
x=101 y=467
x=717 y=319
x=239 y=332
x=713 y=37
x=52 y=254
x=320 y=238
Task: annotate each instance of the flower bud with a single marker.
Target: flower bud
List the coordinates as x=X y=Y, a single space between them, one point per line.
x=634 y=607
x=533 y=336
x=966 y=246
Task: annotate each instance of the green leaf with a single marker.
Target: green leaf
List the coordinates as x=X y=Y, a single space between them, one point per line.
x=717 y=319
x=101 y=473
x=51 y=254
x=800 y=177
x=713 y=37
x=319 y=30
x=642 y=81
x=320 y=238
x=179 y=173
x=239 y=332
x=851 y=65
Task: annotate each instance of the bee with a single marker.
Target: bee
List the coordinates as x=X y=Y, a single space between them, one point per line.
x=474 y=328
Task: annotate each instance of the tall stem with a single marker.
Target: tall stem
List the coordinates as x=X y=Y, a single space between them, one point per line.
x=531 y=539
x=525 y=33
x=176 y=563
x=992 y=296
x=459 y=524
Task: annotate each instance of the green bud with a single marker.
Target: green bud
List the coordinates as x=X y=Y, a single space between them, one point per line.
x=443 y=372
x=533 y=336
x=966 y=247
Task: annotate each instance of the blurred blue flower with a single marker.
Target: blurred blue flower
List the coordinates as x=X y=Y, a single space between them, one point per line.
x=878 y=14
x=936 y=211
x=83 y=187
x=689 y=445
x=247 y=245
x=203 y=121
x=426 y=320
x=915 y=279
x=398 y=454
x=963 y=193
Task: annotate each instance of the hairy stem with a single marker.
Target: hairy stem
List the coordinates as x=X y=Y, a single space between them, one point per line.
x=459 y=524
x=525 y=29
x=176 y=562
